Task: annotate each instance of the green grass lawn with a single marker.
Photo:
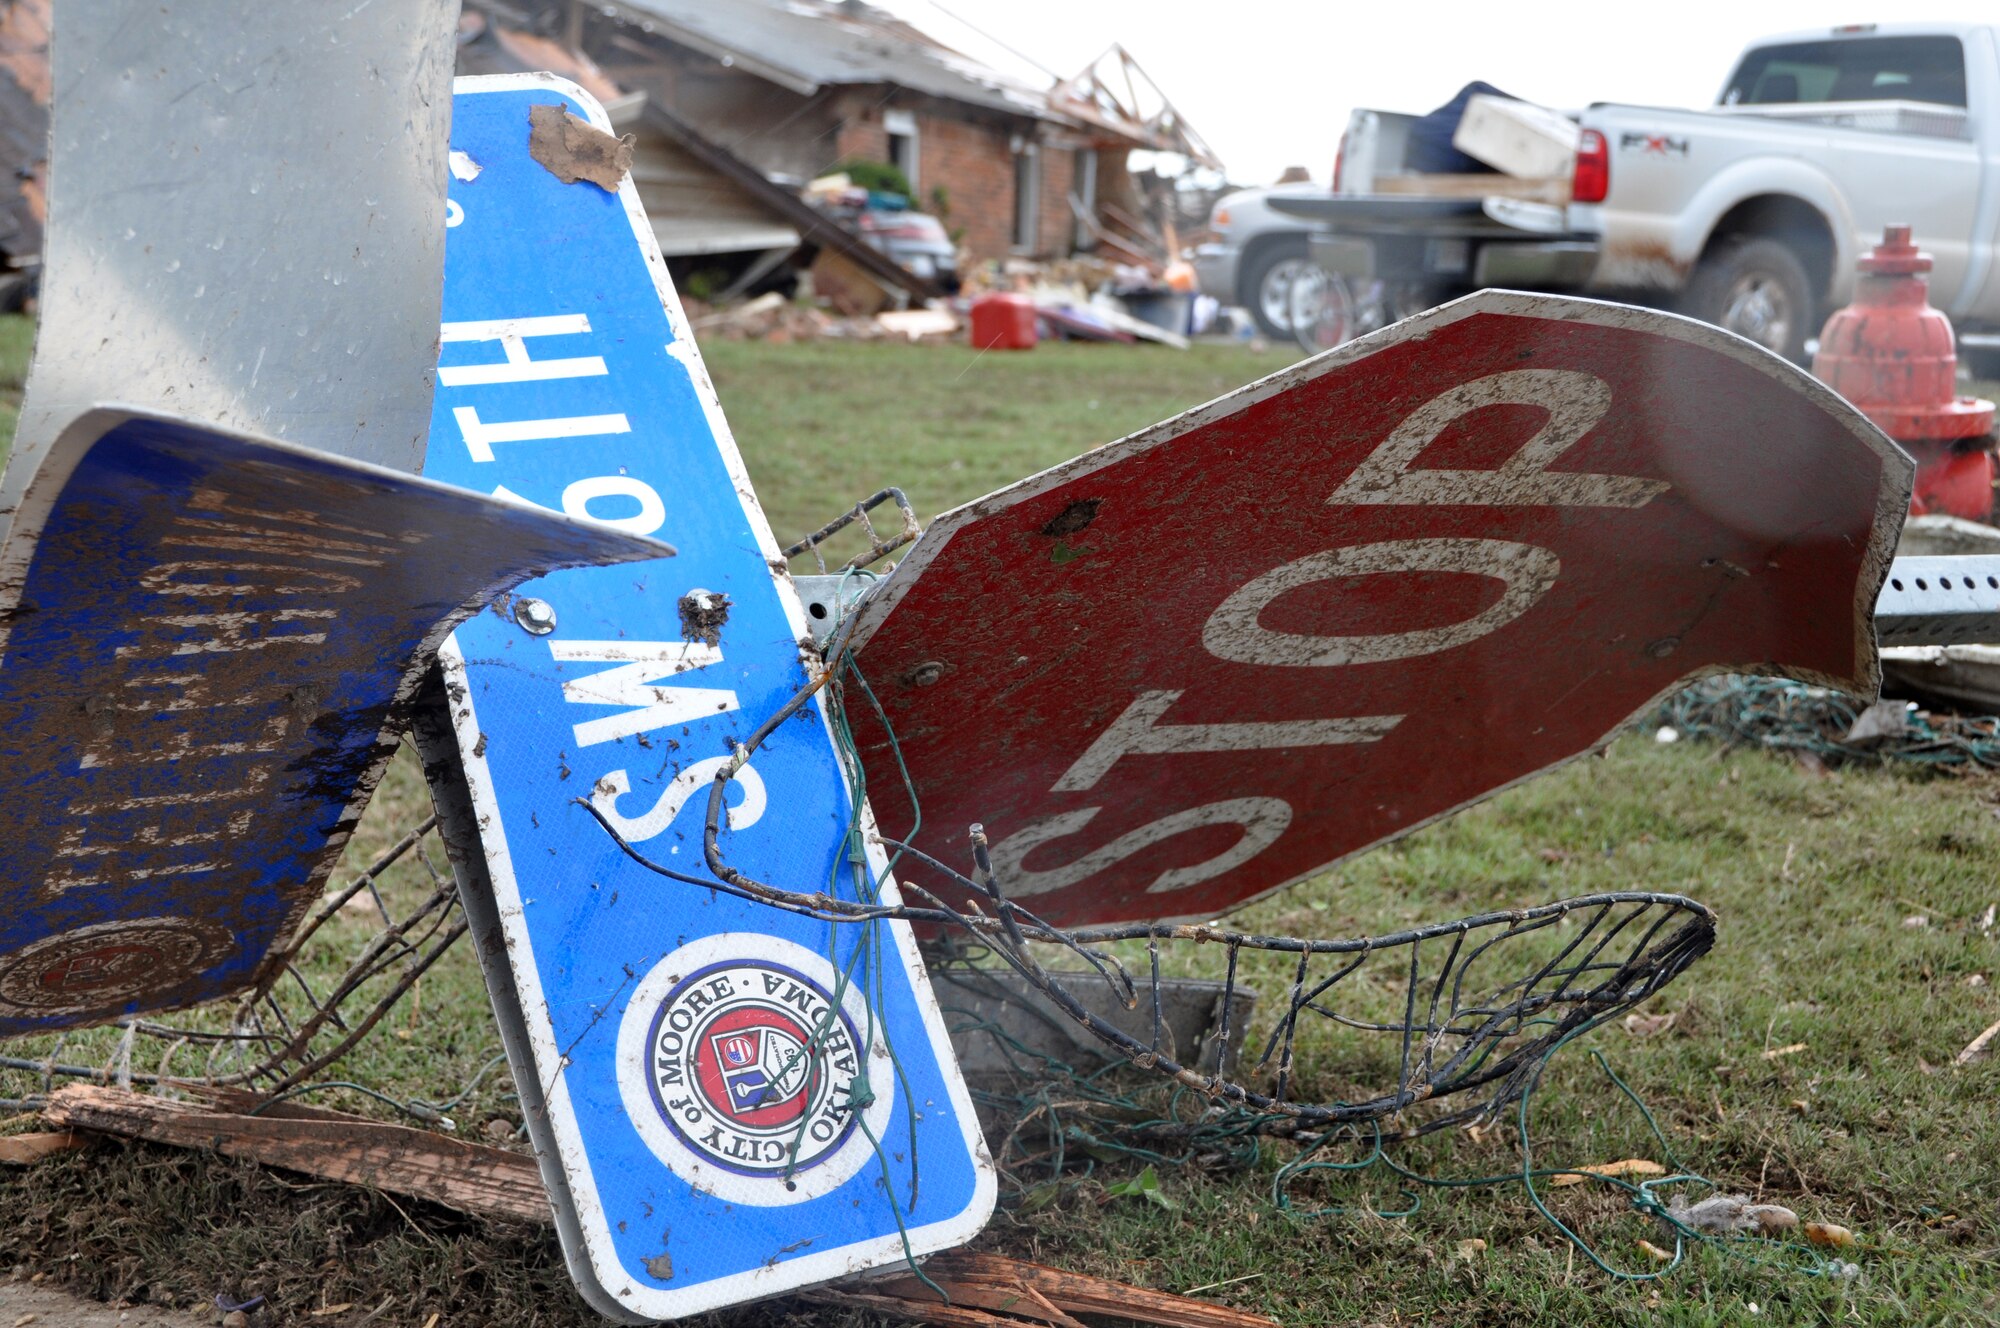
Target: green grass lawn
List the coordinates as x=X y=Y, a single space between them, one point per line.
x=17 y=339
x=1866 y=1124
x=823 y=425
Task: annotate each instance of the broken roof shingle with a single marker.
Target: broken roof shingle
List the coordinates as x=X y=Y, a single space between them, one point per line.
x=806 y=45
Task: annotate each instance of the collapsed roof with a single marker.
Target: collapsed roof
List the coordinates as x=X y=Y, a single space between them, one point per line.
x=808 y=45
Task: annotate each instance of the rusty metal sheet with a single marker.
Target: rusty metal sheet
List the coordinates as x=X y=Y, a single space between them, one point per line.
x=1227 y=652
x=207 y=642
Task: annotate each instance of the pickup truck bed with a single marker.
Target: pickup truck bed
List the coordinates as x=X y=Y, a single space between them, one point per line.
x=1750 y=215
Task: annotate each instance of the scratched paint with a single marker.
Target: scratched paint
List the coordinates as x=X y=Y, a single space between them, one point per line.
x=659 y=1030
x=205 y=644
x=1228 y=652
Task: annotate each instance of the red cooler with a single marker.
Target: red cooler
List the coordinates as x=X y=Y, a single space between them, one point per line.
x=1003 y=322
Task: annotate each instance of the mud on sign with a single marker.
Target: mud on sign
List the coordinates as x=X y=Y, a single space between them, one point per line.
x=208 y=641
x=1227 y=652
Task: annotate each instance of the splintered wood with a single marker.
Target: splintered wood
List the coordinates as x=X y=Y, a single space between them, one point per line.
x=22 y=1149
x=991 y=1291
x=330 y=1144
x=986 y=1290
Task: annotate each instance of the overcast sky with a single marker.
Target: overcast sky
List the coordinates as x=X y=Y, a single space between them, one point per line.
x=1269 y=83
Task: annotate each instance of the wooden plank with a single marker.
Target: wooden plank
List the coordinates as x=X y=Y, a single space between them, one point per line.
x=22 y=1149
x=991 y=1289
x=1078 y=1293
x=1137 y=226
x=1002 y=1294
x=1132 y=251
x=986 y=1290
x=1473 y=186
x=472 y=1178
x=853 y=1296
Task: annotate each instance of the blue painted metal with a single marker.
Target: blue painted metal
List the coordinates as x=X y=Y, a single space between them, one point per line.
x=697 y=1153
x=207 y=642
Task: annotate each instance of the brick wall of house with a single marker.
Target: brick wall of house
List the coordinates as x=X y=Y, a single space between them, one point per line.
x=965 y=151
x=860 y=133
x=974 y=165
x=972 y=161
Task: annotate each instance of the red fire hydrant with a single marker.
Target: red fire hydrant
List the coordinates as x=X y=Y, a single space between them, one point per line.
x=1893 y=356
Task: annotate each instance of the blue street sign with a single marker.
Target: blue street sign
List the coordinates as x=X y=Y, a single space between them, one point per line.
x=729 y=1101
x=207 y=646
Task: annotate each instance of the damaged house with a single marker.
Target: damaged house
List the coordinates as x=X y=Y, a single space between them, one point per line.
x=737 y=104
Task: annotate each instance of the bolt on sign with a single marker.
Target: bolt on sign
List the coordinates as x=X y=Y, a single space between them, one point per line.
x=728 y=1101
x=1232 y=650
x=207 y=646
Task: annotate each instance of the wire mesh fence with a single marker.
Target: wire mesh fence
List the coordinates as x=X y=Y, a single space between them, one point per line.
x=352 y=977
x=1405 y=1033
x=1468 y=1010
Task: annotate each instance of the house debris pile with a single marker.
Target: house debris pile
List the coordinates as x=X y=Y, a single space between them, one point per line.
x=1073 y=299
x=1824 y=728
x=772 y=318
x=755 y=125
x=853 y=164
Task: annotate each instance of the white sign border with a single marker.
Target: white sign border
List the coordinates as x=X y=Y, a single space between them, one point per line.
x=1891 y=503
x=635 y=1088
x=639 y=1304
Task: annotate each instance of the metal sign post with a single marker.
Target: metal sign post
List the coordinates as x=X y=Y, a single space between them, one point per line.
x=1233 y=649
x=207 y=637
x=208 y=643
x=246 y=221
x=727 y=1101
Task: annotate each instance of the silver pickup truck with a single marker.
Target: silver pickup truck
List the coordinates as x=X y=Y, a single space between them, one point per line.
x=1749 y=214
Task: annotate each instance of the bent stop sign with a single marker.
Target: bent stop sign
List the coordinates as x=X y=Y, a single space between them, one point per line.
x=1227 y=652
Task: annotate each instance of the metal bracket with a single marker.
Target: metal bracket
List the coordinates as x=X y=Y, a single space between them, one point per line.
x=829 y=600
x=1940 y=602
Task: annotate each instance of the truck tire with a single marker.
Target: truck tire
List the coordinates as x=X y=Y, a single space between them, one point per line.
x=1264 y=286
x=1757 y=288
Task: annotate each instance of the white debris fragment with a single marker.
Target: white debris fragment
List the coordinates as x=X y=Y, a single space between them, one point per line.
x=464 y=167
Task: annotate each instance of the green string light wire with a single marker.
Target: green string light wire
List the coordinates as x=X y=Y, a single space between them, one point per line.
x=1234 y=1133
x=868 y=943
x=1059 y=1084
x=1643 y=1195
x=1797 y=717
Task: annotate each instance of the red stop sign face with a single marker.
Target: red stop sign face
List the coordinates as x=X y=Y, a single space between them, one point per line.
x=1223 y=654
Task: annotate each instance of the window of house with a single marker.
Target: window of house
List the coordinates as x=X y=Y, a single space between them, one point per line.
x=1083 y=198
x=902 y=130
x=1027 y=195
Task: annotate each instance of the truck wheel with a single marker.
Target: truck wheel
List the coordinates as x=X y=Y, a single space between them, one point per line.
x=1756 y=288
x=1321 y=309
x=1265 y=286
